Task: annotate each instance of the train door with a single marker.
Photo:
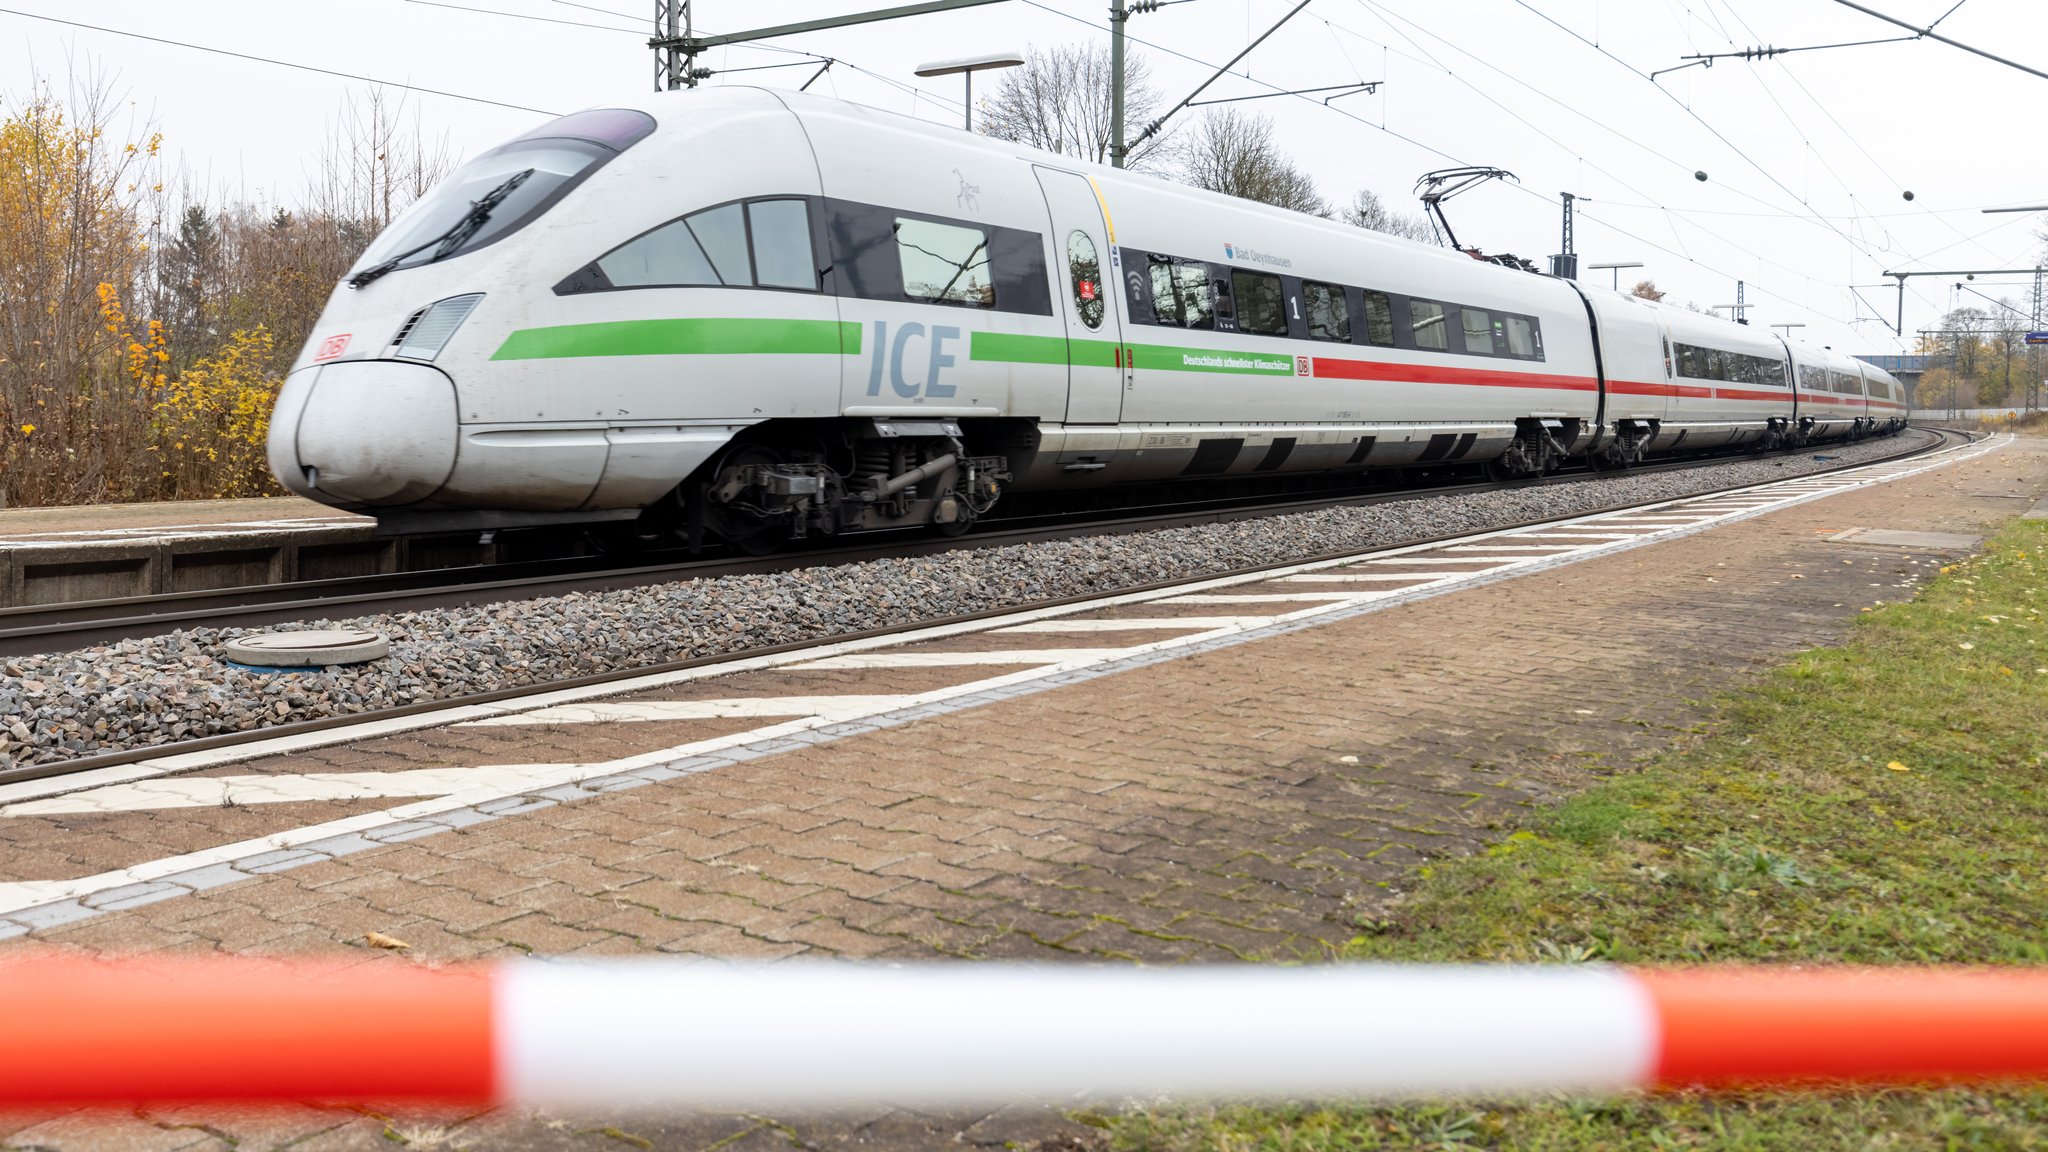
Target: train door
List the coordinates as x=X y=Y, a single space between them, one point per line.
x=1084 y=275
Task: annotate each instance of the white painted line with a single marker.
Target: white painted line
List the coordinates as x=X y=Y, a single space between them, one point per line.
x=1276 y=597
x=738 y=707
x=219 y=791
x=1366 y=577
x=1454 y=560
x=1511 y=548
x=1136 y=624
x=961 y=659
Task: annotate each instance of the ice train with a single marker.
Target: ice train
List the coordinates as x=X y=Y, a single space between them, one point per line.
x=753 y=314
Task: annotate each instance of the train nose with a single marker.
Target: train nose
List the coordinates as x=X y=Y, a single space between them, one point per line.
x=374 y=433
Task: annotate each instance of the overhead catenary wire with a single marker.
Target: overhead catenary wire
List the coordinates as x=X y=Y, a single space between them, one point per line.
x=1704 y=123
x=1931 y=34
x=1680 y=253
x=279 y=63
x=1673 y=215
x=1432 y=149
x=1701 y=120
x=1618 y=179
x=1793 y=76
x=525 y=16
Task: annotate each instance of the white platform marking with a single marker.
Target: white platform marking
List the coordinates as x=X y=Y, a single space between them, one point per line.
x=961 y=659
x=1456 y=560
x=738 y=707
x=1512 y=548
x=1137 y=624
x=218 y=791
x=1364 y=577
x=1274 y=597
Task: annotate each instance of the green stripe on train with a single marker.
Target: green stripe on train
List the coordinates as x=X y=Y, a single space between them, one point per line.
x=1010 y=348
x=683 y=337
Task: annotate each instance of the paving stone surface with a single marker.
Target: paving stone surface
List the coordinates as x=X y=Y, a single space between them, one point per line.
x=1251 y=803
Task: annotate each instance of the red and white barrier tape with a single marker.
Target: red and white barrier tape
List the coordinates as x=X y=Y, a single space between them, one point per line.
x=628 y=1033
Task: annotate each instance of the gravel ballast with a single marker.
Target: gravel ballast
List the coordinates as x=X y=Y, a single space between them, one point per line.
x=162 y=689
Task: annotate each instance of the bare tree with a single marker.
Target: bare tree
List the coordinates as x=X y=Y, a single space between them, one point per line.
x=1368 y=211
x=377 y=159
x=1060 y=101
x=1233 y=152
x=1647 y=289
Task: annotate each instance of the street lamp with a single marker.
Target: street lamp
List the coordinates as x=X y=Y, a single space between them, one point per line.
x=1615 y=270
x=1787 y=334
x=968 y=66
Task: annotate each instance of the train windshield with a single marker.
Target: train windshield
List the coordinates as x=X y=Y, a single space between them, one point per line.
x=502 y=190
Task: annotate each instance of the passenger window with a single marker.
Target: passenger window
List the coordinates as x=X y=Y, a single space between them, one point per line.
x=1219 y=291
x=722 y=232
x=1521 y=337
x=1181 y=294
x=667 y=255
x=1191 y=282
x=782 y=244
x=1426 y=320
x=1379 y=319
x=1478 y=331
x=1329 y=317
x=1165 y=301
x=1261 y=306
x=1087 y=273
x=944 y=263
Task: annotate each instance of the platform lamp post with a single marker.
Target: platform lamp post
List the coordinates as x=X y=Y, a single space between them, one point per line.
x=967 y=66
x=1787 y=333
x=1614 y=270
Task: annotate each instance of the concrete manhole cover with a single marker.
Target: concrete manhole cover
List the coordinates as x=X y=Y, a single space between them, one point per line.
x=306 y=649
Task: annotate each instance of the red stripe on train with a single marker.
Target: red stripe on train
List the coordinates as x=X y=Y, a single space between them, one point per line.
x=1336 y=369
x=1647 y=388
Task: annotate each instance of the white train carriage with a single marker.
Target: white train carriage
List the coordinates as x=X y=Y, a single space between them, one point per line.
x=762 y=313
x=1832 y=403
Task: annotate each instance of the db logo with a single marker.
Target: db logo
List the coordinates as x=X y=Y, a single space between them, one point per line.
x=1300 y=365
x=332 y=347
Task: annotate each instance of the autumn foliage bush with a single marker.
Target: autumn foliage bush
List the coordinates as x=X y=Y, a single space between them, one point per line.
x=144 y=332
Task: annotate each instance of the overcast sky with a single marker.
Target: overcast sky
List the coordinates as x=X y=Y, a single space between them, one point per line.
x=1807 y=155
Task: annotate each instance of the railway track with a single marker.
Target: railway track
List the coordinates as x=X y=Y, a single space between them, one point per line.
x=43 y=628
x=313 y=728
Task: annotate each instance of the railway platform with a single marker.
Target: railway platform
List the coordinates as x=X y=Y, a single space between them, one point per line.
x=115 y=551
x=1250 y=771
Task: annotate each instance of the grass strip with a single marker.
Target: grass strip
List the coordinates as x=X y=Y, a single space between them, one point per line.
x=1877 y=803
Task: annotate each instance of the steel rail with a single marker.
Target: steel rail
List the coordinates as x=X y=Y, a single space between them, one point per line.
x=53 y=768
x=34 y=629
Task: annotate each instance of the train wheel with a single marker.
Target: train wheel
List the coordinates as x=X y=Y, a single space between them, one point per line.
x=963 y=519
x=739 y=526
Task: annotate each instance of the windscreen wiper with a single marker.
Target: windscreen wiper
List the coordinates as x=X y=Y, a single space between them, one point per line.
x=455 y=237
